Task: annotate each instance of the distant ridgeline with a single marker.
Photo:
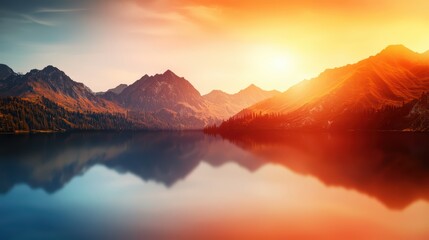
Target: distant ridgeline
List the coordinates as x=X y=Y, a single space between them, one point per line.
x=18 y=114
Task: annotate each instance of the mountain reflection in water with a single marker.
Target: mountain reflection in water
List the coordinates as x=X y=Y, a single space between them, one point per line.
x=390 y=167
x=50 y=161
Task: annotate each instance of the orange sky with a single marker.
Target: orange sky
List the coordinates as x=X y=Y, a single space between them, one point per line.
x=220 y=44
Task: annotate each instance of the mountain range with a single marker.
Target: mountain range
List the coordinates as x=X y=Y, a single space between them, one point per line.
x=385 y=91
x=162 y=101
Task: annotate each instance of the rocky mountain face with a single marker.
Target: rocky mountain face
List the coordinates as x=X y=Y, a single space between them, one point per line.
x=56 y=86
x=167 y=90
x=5 y=72
x=165 y=101
x=227 y=105
x=391 y=78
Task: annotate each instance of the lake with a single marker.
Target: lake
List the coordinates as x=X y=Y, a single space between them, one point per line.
x=188 y=185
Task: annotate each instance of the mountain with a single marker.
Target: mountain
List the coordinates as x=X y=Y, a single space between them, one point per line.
x=56 y=86
x=167 y=90
x=391 y=78
x=5 y=72
x=117 y=90
x=227 y=105
x=165 y=101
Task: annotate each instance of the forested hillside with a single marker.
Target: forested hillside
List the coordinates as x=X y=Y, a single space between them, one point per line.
x=18 y=114
x=412 y=116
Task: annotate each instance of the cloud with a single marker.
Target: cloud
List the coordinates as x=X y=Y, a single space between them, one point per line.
x=203 y=13
x=59 y=10
x=39 y=21
x=264 y=4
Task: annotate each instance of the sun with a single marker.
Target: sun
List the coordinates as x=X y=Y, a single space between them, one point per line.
x=272 y=60
x=280 y=63
x=273 y=67
x=277 y=63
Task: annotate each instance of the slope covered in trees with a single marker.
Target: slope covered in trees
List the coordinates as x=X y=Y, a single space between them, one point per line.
x=17 y=114
x=412 y=116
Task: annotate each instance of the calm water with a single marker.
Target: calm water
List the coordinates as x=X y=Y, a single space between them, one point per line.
x=194 y=186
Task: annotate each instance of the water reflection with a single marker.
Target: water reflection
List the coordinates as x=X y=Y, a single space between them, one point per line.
x=392 y=167
x=187 y=185
x=50 y=161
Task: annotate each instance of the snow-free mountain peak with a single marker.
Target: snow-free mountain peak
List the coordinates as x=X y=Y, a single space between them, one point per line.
x=51 y=68
x=252 y=87
x=168 y=72
x=161 y=91
x=5 y=71
x=397 y=51
x=118 y=89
